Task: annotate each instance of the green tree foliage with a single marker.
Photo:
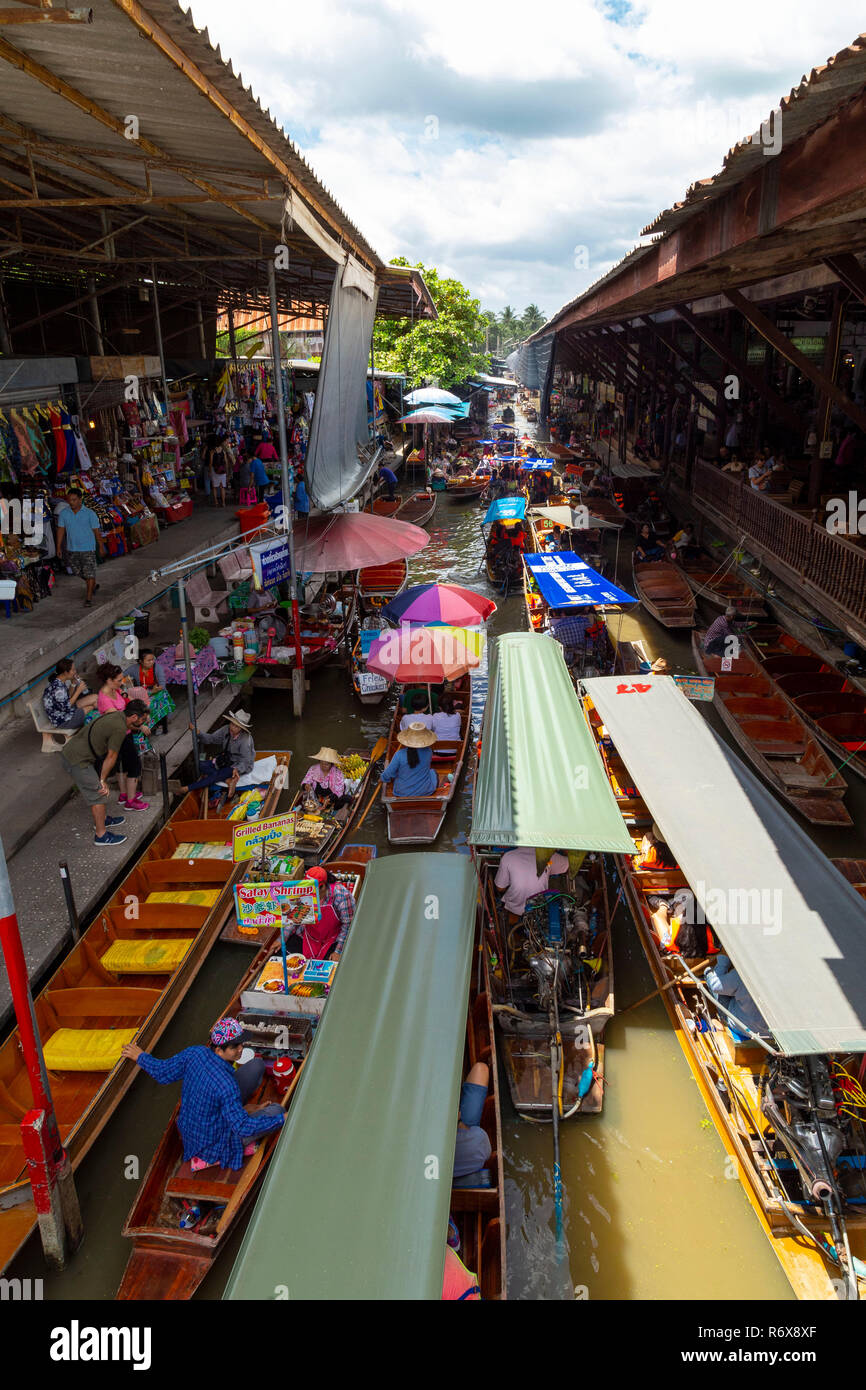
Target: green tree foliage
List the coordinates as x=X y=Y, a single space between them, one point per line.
x=448 y=349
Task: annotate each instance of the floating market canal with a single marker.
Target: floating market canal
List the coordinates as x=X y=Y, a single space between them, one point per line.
x=647 y=1182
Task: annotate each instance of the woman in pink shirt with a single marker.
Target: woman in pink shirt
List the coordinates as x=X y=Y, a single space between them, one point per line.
x=110 y=699
x=324 y=781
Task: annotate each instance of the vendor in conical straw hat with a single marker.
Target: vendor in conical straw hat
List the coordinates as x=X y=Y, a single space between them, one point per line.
x=325 y=783
x=410 y=770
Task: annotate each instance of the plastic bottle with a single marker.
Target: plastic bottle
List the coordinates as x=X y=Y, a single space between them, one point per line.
x=190 y=1218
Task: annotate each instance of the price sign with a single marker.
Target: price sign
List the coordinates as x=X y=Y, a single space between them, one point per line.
x=249 y=838
x=368 y=682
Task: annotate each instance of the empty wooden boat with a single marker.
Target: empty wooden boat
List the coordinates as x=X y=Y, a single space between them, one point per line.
x=706 y=581
x=774 y=737
x=378 y=584
x=385 y=506
x=664 y=593
x=466 y=489
x=417 y=509
x=418 y=820
x=832 y=705
x=855 y=872
x=122 y=982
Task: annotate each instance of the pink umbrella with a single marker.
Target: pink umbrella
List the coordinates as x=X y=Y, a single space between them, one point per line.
x=346 y=541
x=430 y=654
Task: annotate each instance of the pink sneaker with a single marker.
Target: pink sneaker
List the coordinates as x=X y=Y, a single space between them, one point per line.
x=122 y=800
x=137 y=804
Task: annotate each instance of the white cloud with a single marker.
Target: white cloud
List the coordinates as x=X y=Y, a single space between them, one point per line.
x=558 y=127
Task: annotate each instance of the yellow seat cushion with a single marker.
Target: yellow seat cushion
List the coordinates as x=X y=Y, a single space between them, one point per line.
x=151 y=957
x=85 y=1049
x=195 y=897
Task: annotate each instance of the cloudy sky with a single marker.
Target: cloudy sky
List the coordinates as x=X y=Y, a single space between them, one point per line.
x=520 y=146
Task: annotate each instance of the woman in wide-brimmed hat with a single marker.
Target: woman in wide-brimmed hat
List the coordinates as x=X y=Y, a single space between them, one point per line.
x=410 y=770
x=324 y=782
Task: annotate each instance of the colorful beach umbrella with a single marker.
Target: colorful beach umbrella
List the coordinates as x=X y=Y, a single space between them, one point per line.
x=439 y=603
x=426 y=654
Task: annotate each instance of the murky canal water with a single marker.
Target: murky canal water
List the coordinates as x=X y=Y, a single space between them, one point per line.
x=650 y=1212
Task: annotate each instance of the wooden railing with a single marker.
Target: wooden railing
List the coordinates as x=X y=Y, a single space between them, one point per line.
x=831 y=565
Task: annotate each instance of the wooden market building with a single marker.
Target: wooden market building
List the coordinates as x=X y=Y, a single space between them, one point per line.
x=747 y=307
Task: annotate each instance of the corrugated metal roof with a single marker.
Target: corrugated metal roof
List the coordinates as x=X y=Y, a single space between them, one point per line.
x=817 y=97
x=207 y=157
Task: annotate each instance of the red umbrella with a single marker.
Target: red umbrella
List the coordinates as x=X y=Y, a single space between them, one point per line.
x=346 y=541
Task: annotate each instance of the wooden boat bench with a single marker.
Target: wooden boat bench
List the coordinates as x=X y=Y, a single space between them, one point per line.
x=208 y=1185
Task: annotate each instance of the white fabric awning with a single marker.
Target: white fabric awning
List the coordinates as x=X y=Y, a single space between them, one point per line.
x=791 y=923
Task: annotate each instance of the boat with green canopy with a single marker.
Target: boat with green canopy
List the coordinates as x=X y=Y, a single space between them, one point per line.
x=356 y=1201
x=541 y=787
x=775 y=1032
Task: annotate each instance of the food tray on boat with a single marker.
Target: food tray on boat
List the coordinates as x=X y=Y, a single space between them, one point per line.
x=307 y=994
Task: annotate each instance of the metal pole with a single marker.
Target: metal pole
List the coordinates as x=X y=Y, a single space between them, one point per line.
x=72 y=910
x=163 y=778
x=157 y=323
x=297 y=683
x=190 y=685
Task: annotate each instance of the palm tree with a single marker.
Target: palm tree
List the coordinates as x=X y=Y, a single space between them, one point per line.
x=532 y=319
x=509 y=324
x=491 y=331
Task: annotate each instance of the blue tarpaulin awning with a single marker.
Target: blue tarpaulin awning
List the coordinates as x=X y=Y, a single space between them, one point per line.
x=566 y=581
x=506 y=509
x=529 y=465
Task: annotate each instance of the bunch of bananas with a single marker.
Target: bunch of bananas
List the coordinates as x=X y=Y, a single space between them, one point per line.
x=353 y=766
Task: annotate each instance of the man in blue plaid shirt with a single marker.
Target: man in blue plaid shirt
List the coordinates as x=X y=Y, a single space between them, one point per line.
x=570 y=630
x=212 y=1121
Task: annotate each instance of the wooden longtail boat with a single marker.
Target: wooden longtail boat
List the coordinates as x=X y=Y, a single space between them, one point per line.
x=465 y=489
x=378 y=584
x=494 y=572
x=737 y=1079
x=525 y=1027
x=706 y=581
x=774 y=737
x=604 y=509
x=176 y=897
x=664 y=593
x=855 y=872
x=830 y=703
x=385 y=506
x=537 y=612
x=168 y=1261
x=479 y=1212
x=418 y=820
x=314 y=851
x=417 y=509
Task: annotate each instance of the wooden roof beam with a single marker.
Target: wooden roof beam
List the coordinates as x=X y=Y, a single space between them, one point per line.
x=848 y=269
x=783 y=345
x=753 y=378
x=24 y=63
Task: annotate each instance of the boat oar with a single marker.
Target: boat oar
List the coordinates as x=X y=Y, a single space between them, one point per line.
x=677 y=980
x=374 y=758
